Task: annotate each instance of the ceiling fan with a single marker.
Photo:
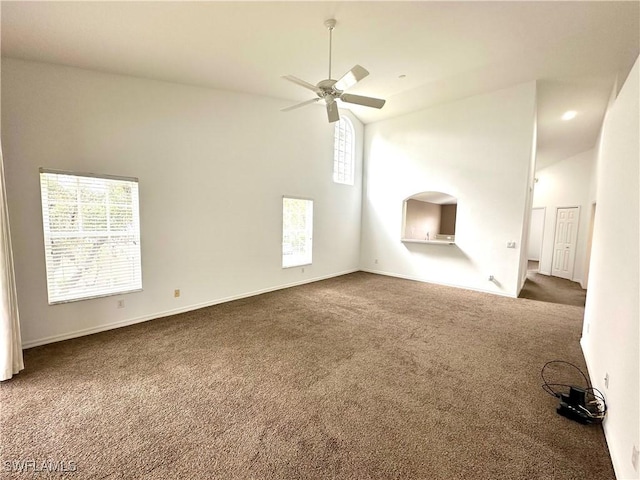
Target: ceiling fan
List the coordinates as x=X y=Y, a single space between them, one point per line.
x=331 y=90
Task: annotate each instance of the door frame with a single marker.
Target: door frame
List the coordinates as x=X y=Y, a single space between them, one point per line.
x=555 y=226
x=544 y=226
x=587 y=260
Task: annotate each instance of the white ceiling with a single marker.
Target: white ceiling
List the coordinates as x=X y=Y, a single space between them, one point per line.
x=446 y=50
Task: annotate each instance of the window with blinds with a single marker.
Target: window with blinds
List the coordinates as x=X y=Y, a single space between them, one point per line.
x=91 y=235
x=297 y=231
x=344 y=152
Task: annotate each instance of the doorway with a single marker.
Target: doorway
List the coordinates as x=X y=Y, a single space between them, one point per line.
x=536 y=234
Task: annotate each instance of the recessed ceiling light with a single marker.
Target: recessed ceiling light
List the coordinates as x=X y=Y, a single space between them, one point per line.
x=569 y=115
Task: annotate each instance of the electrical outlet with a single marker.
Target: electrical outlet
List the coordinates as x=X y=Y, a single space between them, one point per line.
x=606 y=380
x=302 y=269
x=634 y=458
x=511 y=244
x=120 y=303
x=176 y=293
x=375 y=261
x=588 y=326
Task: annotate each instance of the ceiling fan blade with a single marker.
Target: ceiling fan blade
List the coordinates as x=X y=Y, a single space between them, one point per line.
x=350 y=78
x=360 y=100
x=332 y=112
x=298 y=105
x=302 y=83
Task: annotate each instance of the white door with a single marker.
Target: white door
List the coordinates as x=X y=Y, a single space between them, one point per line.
x=564 y=247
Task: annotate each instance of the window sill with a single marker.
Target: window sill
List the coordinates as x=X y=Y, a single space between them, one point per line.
x=431 y=242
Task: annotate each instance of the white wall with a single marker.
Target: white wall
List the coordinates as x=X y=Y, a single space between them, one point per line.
x=611 y=334
x=213 y=167
x=477 y=149
x=524 y=239
x=566 y=184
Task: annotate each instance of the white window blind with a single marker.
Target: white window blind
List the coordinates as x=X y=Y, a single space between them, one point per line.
x=91 y=235
x=297 y=231
x=344 y=152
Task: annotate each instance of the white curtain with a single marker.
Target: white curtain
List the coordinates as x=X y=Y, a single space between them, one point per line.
x=10 y=342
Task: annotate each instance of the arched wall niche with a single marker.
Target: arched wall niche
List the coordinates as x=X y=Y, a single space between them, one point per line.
x=429 y=217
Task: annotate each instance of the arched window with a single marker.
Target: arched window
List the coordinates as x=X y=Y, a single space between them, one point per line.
x=344 y=152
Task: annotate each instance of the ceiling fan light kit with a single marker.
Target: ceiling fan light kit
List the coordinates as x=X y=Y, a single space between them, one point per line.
x=331 y=90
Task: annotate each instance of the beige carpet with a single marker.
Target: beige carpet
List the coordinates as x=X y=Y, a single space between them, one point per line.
x=357 y=377
x=546 y=288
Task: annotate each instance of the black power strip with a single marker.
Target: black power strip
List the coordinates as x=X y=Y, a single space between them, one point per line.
x=574 y=407
x=584 y=405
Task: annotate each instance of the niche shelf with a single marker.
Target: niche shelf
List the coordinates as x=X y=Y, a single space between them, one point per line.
x=429 y=218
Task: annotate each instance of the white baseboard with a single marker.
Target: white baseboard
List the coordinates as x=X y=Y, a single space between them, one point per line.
x=418 y=279
x=153 y=316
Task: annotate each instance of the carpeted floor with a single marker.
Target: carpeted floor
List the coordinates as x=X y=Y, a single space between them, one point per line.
x=357 y=377
x=546 y=288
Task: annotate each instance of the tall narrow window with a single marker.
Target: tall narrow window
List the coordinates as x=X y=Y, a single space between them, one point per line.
x=297 y=231
x=91 y=235
x=344 y=152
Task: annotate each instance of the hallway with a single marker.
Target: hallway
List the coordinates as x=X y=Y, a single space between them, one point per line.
x=545 y=288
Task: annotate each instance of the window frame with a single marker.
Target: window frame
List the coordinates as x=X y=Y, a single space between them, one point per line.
x=344 y=156
x=308 y=259
x=132 y=236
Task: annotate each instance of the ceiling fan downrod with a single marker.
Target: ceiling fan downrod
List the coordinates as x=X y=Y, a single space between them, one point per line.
x=330 y=24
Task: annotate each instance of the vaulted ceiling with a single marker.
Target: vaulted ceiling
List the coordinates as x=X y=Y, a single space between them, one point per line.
x=418 y=53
